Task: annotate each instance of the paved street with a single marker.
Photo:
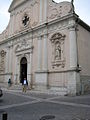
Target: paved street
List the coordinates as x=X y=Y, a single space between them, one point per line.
x=32 y=106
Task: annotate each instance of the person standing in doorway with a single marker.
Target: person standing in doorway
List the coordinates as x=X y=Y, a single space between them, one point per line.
x=24 y=85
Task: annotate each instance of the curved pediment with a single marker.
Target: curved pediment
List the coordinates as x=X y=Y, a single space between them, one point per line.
x=15 y=3
x=57 y=10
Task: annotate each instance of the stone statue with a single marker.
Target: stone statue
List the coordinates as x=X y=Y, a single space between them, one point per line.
x=58 y=52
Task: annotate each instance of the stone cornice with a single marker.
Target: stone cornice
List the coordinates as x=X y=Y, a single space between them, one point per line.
x=43 y=25
x=67 y=70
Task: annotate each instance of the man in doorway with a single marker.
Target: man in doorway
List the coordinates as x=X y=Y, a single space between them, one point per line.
x=24 y=85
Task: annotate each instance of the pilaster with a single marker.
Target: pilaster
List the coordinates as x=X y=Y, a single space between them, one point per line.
x=39 y=53
x=45 y=10
x=73 y=46
x=45 y=55
x=74 y=75
x=40 y=11
x=29 y=70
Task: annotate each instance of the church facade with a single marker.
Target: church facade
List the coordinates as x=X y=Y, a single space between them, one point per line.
x=48 y=44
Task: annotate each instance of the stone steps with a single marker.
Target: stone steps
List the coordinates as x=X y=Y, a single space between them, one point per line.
x=52 y=90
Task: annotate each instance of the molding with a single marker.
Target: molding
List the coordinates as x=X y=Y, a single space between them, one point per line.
x=42 y=71
x=66 y=70
x=62 y=71
x=39 y=27
x=5 y=73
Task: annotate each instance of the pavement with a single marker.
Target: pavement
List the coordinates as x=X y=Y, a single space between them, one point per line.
x=42 y=106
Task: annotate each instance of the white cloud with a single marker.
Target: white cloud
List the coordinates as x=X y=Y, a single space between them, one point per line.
x=61 y=0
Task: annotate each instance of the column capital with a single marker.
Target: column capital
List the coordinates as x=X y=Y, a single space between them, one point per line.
x=39 y=37
x=45 y=35
x=72 y=27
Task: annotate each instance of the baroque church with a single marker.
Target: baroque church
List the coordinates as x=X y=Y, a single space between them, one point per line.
x=49 y=45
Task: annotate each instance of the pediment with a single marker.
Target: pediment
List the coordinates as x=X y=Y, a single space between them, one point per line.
x=59 y=10
x=15 y=3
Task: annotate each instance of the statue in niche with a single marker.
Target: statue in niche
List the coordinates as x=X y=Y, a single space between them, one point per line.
x=58 y=59
x=57 y=51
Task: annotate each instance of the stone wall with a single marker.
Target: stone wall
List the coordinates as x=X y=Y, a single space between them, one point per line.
x=85 y=84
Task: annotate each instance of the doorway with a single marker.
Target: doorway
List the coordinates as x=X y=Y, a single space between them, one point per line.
x=23 y=69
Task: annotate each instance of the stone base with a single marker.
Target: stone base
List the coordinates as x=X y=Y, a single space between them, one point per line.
x=74 y=85
x=41 y=80
x=63 y=83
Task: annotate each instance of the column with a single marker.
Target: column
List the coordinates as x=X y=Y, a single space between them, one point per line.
x=16 y=74
x=41 y=11
x=10 y=59
x=39 y=53
x=73 y=76
x=7 y=61
x=45 y=56
x=29 y=69
x=42 y=74
x=18 y=69
x=73 y=46
x=31 y=79
x=10 y=62
x=45 y=10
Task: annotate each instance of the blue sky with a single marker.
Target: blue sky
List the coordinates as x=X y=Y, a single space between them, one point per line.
x=82 y=8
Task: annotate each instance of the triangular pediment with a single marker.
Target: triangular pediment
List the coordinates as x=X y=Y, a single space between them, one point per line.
x=16 y=3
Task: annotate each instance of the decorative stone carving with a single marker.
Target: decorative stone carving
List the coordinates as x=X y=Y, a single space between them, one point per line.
x=35 y=12
x=24 y=45
x=58 y=50
x=59 y=10
x=2 y=61
x=54 y=14
x=34 y=2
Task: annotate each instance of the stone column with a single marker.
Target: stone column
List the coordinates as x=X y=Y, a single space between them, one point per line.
x=42 y=74
x=45 y=55
x=18 y=69
x=73 y=75
x=39 y=53
x=45 y=10
x=29 y=69
x=16 y=74
x=7 y=61
x=10 y=62
x=40 y=11
x=7 y=65
x=10 y=59
x=73 y=46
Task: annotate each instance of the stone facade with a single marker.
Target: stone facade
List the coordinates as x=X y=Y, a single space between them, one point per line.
x=42 y=42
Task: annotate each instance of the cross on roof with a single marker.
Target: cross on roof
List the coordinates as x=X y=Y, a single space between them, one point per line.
x=25 y=20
